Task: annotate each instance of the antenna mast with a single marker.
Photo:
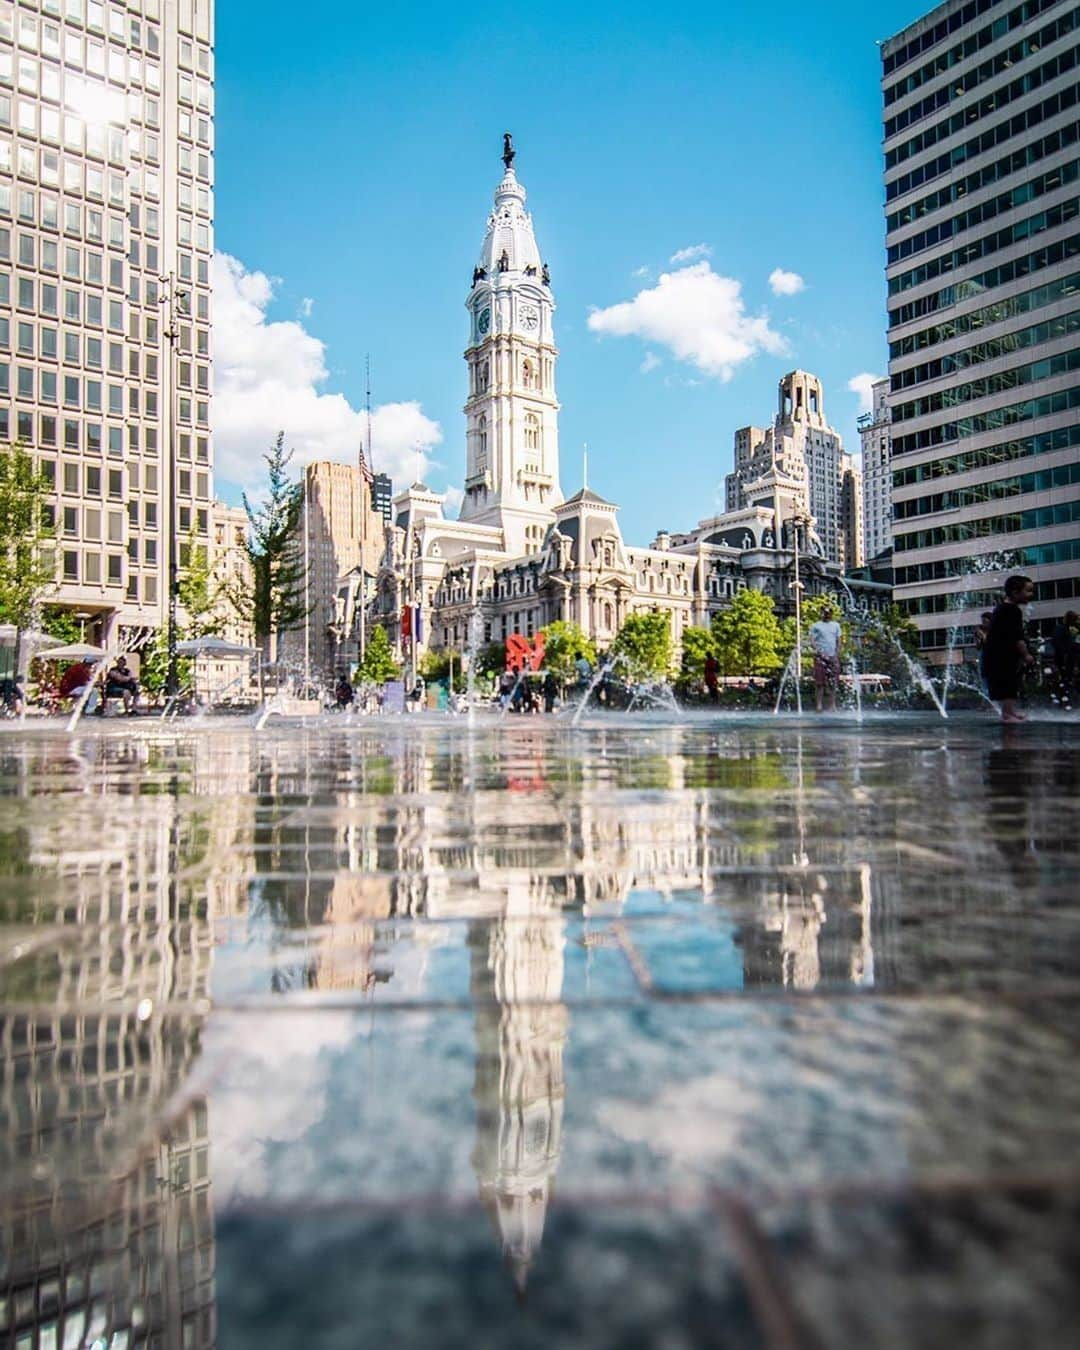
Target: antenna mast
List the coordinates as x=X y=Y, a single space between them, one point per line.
x=367 y=409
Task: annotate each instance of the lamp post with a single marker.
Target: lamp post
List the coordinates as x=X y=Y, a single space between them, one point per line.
x=177 y=303
x=798 y=519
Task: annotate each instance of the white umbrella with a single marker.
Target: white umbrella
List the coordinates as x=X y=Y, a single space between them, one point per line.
x=74 y=651
x=212 y=646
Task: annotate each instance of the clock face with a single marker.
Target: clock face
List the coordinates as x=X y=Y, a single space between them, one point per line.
x=484 y=321
x=530 y=318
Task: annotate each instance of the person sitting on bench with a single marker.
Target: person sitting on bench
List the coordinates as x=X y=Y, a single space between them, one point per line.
x=121 y=683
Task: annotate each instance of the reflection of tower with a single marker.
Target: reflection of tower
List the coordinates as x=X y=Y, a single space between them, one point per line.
x=516 y=980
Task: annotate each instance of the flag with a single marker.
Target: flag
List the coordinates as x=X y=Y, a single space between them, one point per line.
x=418 y=632
x=406 y=622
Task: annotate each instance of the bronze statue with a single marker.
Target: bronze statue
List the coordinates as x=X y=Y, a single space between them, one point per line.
x=508 y=149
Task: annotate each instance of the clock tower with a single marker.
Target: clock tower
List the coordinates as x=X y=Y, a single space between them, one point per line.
x=512 y=414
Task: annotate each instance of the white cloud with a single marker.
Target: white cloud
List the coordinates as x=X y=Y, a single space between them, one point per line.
x=306 y=306
x=691 y=254
x=452 y=500
x=863 y=385
x=650 y=362
x=785 y=283
x=639 y=273
x=698 y=316
x=266 y=379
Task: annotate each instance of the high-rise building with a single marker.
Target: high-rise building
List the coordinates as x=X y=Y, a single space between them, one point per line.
x=106 y=240
x=343 y=533
x=981 y=171
x=382 y=496
x=876 y=472
x=800 y=447
x=850 y=533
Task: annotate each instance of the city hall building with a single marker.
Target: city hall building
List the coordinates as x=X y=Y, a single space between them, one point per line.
x=521 y=555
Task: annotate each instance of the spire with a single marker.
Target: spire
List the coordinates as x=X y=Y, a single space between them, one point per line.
x=509 y=246
x=585 y=466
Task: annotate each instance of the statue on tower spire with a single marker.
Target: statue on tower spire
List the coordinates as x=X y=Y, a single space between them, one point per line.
x=508 y=150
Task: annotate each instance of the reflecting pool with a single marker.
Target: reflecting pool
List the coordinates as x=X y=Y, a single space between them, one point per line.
x=645 y=1032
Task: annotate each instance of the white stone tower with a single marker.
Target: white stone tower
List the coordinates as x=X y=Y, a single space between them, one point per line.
x=512 y=414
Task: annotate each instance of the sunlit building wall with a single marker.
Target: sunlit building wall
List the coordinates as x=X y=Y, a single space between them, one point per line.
x=106 y=240
x=983 y=268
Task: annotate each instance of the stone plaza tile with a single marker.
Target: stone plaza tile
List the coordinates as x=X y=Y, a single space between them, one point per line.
x=407 y=962
x=392 y=1010
x=795 y=937
x=991 y=1266
x=603 y=1275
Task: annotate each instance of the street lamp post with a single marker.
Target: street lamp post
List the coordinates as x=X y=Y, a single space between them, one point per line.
x=798 y=520
x=176 y=301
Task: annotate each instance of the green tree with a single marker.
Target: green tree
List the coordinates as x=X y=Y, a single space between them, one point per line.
x=272 y=599
x=154 y=665
x=491 y=659
x=564 y=643
x=60 y=623
x=27 y=556
x=697 y=645
x=378 y=664
x=748 y=635
x=196 y=591
x=644 y=643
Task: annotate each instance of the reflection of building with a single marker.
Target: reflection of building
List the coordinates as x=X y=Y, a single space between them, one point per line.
x=521 y=1029
x=984 y=311
x=112 y=148
x=521 y=557
x=107 y=1241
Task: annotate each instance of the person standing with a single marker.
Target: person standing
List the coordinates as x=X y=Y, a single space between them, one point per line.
x=1005 y=652
x=825 y=639
x=712 y=677
x=551 y=691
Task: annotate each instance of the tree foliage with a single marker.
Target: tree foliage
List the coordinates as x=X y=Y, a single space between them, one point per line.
x=565 y=643
x=697 y=645
x=748 y=635
x=378 y=664
x=272 y=599
x=196 y=591
x=60 y=623
x=645 y=646
x=154 y=665
x=27 y=556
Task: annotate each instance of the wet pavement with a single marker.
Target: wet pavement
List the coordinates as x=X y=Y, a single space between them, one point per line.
x=720 y=1031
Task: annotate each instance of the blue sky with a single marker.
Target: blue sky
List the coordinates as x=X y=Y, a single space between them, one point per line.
x=357 y=153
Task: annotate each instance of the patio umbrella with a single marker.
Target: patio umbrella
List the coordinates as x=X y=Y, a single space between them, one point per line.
x=212 y=646
x=73 y=651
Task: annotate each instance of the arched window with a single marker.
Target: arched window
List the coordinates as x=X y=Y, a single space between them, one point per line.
x=481 y=442
x=528 y=374
x=484 y=374
x=607 y=617
x=532 y=431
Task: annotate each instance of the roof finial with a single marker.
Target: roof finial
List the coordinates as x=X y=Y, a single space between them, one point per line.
x=508 y=150
x=584 y=465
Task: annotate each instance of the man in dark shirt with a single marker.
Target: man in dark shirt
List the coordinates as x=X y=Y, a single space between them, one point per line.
x=1005 y=652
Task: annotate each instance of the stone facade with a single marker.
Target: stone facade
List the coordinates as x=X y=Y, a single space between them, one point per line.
x=805 y=450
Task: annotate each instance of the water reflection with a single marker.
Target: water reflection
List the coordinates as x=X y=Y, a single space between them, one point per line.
x=154 y=886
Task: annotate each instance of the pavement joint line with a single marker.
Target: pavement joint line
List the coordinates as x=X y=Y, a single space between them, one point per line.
x=770 y=1298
